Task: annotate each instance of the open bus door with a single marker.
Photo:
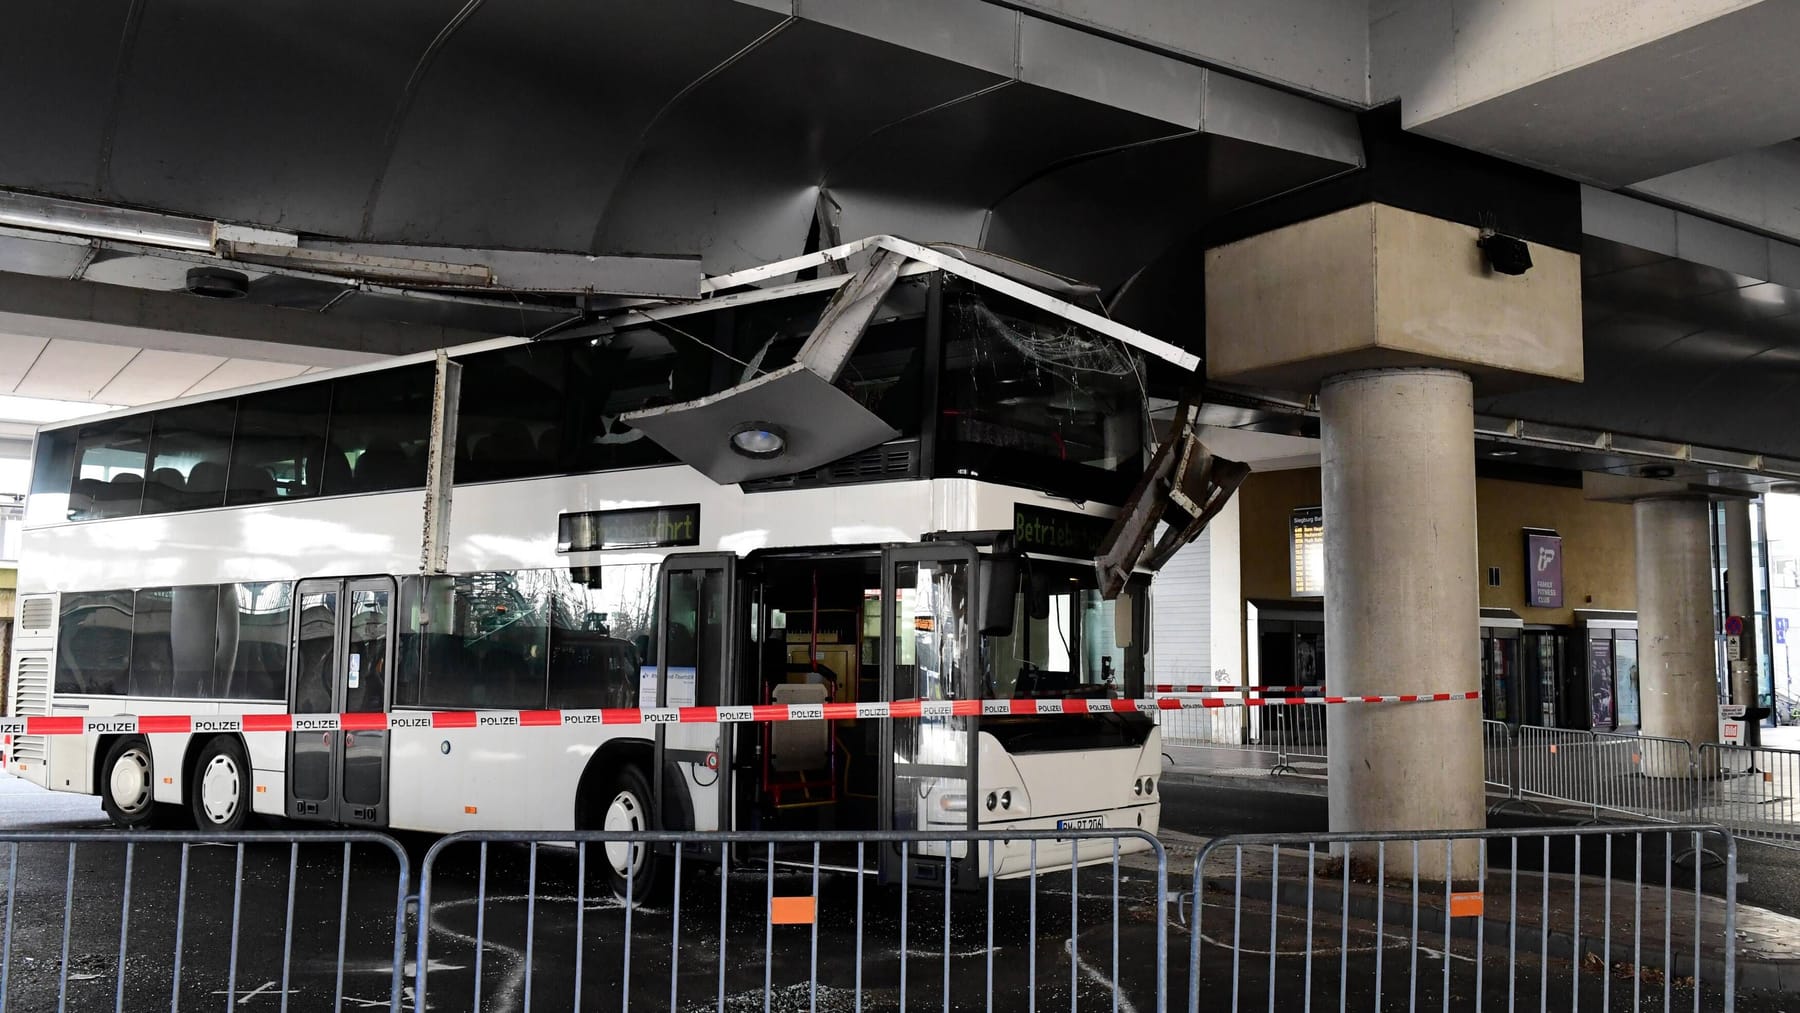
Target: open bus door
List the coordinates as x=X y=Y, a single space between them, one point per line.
x=695 y=638
x=343 y=651
x=928 y=652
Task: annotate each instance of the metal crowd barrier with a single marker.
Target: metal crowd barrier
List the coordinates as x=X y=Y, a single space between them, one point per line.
x=1220 y=728
x=1499 y=771
x=518 y=921
x=1753 y=792
x=1550 y=919
x=116 y=920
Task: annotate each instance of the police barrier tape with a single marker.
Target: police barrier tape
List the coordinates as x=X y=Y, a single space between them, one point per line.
x=1231 y=688
x=155 y=724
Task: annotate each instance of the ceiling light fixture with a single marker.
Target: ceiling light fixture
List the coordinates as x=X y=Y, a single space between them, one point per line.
x=759 y=441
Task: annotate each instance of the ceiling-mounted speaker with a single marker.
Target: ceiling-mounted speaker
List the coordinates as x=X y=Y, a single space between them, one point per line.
x=217 y=283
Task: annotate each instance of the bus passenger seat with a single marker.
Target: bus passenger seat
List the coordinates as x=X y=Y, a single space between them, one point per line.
x=800 y=745
x=206 y=484
x=123 y=495
x=337 y=478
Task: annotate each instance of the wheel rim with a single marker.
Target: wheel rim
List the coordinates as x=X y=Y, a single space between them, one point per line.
x=130 y=782
x=625 y=815
x=220 y=787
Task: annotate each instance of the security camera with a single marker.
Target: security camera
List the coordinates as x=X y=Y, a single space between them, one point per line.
x=1505 y=254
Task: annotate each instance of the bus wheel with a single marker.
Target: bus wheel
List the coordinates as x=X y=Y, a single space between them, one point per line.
x=128 y=792
x=628 y=812
x=220 y=794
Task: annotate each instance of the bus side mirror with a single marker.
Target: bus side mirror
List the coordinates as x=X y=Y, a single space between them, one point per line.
x=999 y=584
x=1037 y=596
x=1122 y=618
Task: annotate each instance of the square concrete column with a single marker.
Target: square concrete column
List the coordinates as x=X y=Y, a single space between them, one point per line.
x=1397 y=321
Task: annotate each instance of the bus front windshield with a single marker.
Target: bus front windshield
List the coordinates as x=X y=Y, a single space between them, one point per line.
x=1066 y=641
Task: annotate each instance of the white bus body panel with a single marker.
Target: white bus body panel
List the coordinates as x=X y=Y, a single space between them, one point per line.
x=330 y=536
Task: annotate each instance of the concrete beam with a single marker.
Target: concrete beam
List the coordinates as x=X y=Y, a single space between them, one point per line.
x=1755 y=189
x=1376 y=287
x=1674 y=233
x=1606 y=91
x=178 y=322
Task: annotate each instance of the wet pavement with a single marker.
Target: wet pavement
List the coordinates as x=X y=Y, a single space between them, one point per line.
x=550 y=934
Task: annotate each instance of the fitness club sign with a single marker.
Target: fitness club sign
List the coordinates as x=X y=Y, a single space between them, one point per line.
x=1543 y=568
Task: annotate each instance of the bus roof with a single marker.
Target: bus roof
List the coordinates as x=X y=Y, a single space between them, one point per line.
x=1019 y=281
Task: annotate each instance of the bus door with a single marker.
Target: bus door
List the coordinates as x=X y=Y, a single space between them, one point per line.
x=695 y=647
x=343 y=652
x=928 y=653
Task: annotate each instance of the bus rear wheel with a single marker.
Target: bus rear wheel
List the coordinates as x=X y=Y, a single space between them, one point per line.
x=629 y=865
x=128 y=788
x=220 y=794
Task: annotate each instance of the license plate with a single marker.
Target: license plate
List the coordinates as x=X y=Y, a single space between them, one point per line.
x=1082 y=823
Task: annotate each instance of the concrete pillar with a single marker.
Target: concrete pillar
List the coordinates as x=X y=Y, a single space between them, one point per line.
x=1677 y=666
x=1740 y=596
x=1401 y=606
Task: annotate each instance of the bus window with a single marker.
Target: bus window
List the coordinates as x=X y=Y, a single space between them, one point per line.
x=1030 y=399
x=253 y=640
x=380 y=422
x=188 y=449
x=93 y=643
x=510 y=412
x=365 y=683
x=109 y=468
x=52 y=465
x=484 y=641
x=279 y=449
x=594 y=657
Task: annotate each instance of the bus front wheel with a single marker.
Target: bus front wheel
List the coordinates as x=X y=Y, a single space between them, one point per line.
x=630 y=865
x=127 y=792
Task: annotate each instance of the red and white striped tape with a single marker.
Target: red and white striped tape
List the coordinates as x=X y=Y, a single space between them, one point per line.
x=154 y=724
x=1231 y=688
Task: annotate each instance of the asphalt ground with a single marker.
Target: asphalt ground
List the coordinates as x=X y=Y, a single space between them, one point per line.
x=515 y=934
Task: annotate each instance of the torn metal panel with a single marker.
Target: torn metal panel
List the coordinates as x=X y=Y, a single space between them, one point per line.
x=847 y=316
x=440 y=466
x=819 y=423
x=957 y=265
x=651 y=276
x=1185 y=485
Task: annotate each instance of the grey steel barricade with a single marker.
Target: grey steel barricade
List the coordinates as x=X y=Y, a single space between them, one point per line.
x=1557 y=764
x=1643 y=776
x=523 y=921
x=1206 y=728
x=1299 y=736
x=1497 y=758
x=1755 y=792
x=115 y=920
x=1582 y=918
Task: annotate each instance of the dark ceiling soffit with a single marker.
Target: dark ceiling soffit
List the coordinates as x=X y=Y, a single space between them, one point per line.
x=1430 y=177
x=643 y=139
x=391 y=139
x=1539 y=445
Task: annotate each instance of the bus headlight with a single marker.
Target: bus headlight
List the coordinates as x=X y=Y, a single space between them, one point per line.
x=953 y=802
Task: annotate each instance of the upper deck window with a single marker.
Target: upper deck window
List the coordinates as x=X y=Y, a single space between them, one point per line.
x=188 y=450
x=279 y=449
x=1030 y=399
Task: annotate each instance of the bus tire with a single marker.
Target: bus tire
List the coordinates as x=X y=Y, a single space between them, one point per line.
x=219 y=796
x=128 y=783
x=625 y=807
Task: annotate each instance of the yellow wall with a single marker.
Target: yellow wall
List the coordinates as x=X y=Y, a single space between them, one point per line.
x=1599 y=542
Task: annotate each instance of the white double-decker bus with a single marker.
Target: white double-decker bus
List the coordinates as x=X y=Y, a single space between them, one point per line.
x=882 y=486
